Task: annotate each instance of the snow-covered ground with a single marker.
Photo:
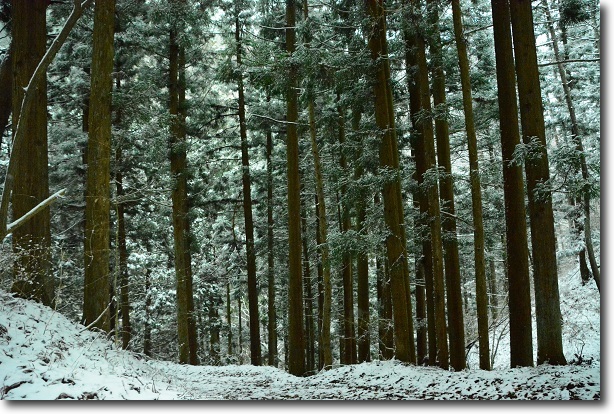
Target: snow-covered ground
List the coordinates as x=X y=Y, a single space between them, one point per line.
x=44 y=356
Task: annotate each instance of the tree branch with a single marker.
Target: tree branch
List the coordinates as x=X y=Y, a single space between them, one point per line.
x=569 y=61
x=40 y=206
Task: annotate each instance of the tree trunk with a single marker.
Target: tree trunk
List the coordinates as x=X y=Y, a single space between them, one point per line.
x=432 y=194
x=517 y=264
x=273 y=359
x=424 y=263
x=349 y=326
x=577 y=140
x=362 y=263
x=476 y=191
x=393 y=206
x=543 y=242
x=296 y=339
x=456 y=323
x=252 y=284
x=183 y=268
x=32 y=241
x=97 y=204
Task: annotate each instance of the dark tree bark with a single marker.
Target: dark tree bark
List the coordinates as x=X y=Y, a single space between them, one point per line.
x=517 y=262
x=432 y=194
x=384 y=300
x=543 y=242
x=273 y=359
x=347 y=274
x=32 y=241
x=456 y=324
x=308 y=295
x=362 y=264
x=393 y=206
x=424 y=262
x=148 y=302
x=183 y=268
x=296 y=335
x=476 y=191
x=252 y=283
x=97 y=203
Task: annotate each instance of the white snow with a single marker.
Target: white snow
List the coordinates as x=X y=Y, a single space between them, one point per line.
x=44 y=356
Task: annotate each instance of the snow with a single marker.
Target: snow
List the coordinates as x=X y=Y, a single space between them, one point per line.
x=44 y=356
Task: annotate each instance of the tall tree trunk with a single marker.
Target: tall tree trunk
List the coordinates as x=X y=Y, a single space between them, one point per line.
x=393 y=206
x=349 y=326
x=432 y=194
x=148 y=303
x=252 y=284
x=424 y=263
x=476 y=190
x=32 y=241
x=320 y=268
x=577 y=140
x=183 y=268
x=97 y=204
x=273 y=359
x=454 y=302
x=322 y=231
x=214 y=328
x=296 y=337
x=121 y=231
x=362 y=263
x=517 y=263
x=543 y=242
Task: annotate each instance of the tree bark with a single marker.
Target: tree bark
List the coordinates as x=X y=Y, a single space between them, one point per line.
x=476 y=191
x=432 y=194
x=97 y=205
x=178 y=160
x=273 y=359
x=349 y=326
x=517 y=264
x=296 y=336
x=252 y=283
x=456 y=324
x=32 y=240
x=543 y=242
x=393 y=206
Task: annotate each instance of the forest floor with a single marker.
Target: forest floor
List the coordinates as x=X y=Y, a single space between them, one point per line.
x=44 y=356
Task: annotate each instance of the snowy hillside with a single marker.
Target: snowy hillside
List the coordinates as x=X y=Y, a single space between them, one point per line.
x=45 y=356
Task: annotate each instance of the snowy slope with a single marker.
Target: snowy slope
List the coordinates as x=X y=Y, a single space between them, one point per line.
x=45 y=356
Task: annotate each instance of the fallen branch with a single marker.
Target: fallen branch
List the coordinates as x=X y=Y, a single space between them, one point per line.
x=40 y=206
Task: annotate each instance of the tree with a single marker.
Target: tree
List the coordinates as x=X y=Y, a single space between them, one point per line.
x=456 y=325
x=517 y=263
x=296 y=342
x=476 y=190
x=183 y=267
x=252 y=284
x=97 y=198
x=396 y=243
x=543 y=242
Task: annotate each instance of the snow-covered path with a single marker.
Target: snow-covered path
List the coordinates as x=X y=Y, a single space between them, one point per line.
x=45 y=356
